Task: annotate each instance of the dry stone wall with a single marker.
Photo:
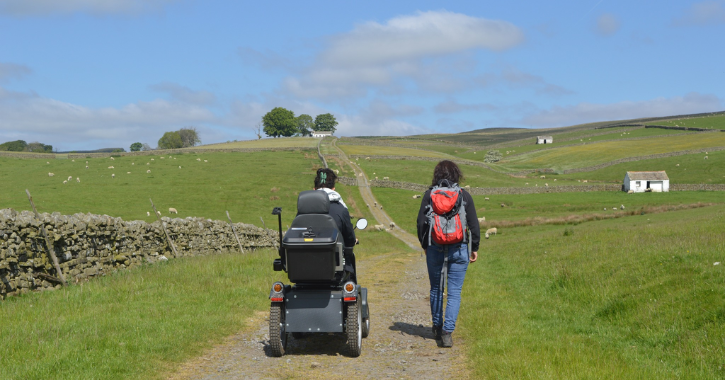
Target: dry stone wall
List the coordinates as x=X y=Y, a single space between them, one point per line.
x=89 y=245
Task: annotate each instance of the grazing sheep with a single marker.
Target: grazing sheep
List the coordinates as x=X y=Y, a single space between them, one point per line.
x=172 y=210
x=554 y=179
x=133 y=163
x=179 y=167
x=481 y=219
x=376 y=178
x=503 y=204
x=585 y=181
x=367 y=158
x=706 y=157
x=485 y=199
x=337 y=171
x=491 y=231
x=375 y=203
x=614 y=208
x=111 y=167
x=206 y=161
x=73 y=160
x=198 y=159
x=64 y=182
x=128 y=172
x=148 y=163
x=78 y=179
x=379 y=227
x=630 y=192
x=47 y=162
x=161 y=157
x=622 y=207
x=360 y=175
x=542 y=177
x=51 y=174
x=158 y=213
x=605 y=209
x=417 y=196
x=546 y=184
x=381 y=207
x=677 y=165
x=112 y=158
x=386 y=178
x=148 y=171
x=392 y=225
x=148 y=213
x=86 y=166
x=113 y=176
x=152 y=159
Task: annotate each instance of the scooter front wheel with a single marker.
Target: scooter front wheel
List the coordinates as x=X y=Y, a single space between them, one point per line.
x=277 y=333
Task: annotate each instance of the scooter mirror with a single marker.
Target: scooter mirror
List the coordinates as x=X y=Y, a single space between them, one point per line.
x=361 y=224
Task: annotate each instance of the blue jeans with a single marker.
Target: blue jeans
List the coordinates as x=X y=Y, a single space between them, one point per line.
x=457 y=266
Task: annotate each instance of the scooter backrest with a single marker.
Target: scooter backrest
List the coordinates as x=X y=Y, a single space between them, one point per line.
x=313 y=202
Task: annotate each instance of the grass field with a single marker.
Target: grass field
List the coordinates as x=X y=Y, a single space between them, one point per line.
x=631 y=298
x=596 y=153
x=286 y=142
x=714 y=122
x=248 y=185
x=389 y=151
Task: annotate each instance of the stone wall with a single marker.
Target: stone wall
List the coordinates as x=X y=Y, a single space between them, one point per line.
x=88 y=245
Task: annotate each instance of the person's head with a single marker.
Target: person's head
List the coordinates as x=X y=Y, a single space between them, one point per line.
x=447 y=170
x=325 y=178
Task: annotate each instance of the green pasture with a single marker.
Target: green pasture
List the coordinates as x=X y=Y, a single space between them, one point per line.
x=373 y=150
x=403 y=209
x=630 y=298
x=282 y=142
x=248 y=185
x=693 y=168
x=714 y=122
x=596 y=153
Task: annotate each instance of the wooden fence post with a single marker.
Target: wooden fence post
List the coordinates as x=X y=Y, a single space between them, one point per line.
x=51 y=253
x=235 y=232
x=163 y=227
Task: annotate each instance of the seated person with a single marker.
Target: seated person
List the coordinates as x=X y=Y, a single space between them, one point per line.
x=325 y=181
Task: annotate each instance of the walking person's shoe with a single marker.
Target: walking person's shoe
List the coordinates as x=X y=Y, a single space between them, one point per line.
x=437 y=332
x=446 y=338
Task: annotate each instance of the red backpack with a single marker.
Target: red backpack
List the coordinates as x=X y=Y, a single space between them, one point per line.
x=446 y=214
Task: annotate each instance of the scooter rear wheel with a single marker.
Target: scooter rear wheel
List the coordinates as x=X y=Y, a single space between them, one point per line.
x=353 y=329
x=277 y=333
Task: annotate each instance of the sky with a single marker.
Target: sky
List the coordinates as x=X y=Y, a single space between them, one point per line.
x=89 y=74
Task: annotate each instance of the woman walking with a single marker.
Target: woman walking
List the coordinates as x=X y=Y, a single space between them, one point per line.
x=447 y=225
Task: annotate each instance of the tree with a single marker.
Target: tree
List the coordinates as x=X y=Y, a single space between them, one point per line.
x=493 y=156
x=305 y=125
x=325 y=122
x=189 y=137
x=258 y=130
x=170 y=140
x=38 y=147
x=135 y=147
x=279 y=122
x=14 y=146
x=146 y=147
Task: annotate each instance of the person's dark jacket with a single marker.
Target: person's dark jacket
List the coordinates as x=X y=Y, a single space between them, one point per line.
x=341 y=216
x=471 y=221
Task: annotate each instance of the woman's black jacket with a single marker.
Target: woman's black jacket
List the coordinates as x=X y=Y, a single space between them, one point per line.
x=471 y=220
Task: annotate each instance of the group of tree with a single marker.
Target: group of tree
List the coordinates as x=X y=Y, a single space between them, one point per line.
x=281 y=122
x=22 y=146
x=137 y=146
x=183 y=138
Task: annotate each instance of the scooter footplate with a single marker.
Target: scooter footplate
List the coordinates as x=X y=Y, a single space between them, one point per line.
x=313 y=311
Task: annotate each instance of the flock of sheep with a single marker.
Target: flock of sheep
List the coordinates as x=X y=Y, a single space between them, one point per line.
x=113 y=176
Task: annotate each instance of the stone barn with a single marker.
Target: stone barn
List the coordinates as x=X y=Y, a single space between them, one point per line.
x=544 y=140
x=639 y=182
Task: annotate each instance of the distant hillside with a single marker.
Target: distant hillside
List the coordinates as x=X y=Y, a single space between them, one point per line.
x=103 y=150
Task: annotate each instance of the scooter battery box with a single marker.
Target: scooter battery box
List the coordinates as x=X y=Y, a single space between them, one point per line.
x=311 y=257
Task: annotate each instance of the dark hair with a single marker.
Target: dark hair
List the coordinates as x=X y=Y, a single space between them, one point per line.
x=325 y=178
x=447 y=170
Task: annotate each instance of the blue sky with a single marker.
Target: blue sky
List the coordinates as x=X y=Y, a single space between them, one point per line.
x=86 y=74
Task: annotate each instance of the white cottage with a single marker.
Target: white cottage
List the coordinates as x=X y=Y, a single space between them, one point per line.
x=321 y=133
x=544 y=140
x=639 y=182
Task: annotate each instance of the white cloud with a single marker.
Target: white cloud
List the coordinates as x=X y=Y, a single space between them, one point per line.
x=702 y=13
x=359 y=125
x=13 y=71
x=559 y=116
x=410 y=52
x=49 y=7
x=184 y=94
x=607 y=24
x=452 y=106
x=64 y=124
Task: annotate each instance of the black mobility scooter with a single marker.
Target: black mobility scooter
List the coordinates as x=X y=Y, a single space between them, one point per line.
x=325 y=297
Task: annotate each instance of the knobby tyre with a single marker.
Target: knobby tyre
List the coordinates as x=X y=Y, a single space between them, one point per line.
x=353 y=329
x=277 y=333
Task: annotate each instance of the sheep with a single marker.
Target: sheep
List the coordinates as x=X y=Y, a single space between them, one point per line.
x=367 y=158
x=47 y=162
x=605 y=209
x=148 y=163
x=622 y=207
x=485 y=199
x=392 y=225
x=375 y=203
x=491 y=231
x=51 y=174
x=379 y=227
x=554 y=179
x=179 y=166
x=386 y=178
x=706 y=157
x=630 y=192
x=677 y=165
x=112 y=159
x=614 y=208
x=337 y=171
x=206 y=161
x=64 y=182
x=86 y=166
x=527 y=183
x=86 y=162
x=148 y=213
x=111 y=167
x=503 y=204
x=161 y=157
x=172 y=210
x=481 y=219
x=148 y=171
x=113 y=176
x=152 y=159
x=585 y=181
x=78 y=179
x=417 y=196
x=546 y=184
x=376 y=178
x=542 y=177
x=128 y=172
x=158 y=213
x=198 y=159
x=468 y=188
x=73 y=160
x=381 y=207
x=133 y=163
x=360 y=175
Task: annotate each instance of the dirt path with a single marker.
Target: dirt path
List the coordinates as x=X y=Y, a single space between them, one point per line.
x=400 y=344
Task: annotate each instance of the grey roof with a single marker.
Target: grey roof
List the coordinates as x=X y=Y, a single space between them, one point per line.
x=544 y=137
x=648 y=176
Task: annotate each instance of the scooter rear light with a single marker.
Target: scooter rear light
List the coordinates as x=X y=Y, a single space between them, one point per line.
x=277 y=287
x=346 y=299
x=349 y=287
x=277 y=299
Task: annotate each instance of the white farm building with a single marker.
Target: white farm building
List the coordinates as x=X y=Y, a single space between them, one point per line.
x=544 y=140
x=639 y=182
x=321 y=133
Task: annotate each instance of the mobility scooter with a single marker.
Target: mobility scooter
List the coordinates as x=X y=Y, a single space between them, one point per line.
x=325 y=297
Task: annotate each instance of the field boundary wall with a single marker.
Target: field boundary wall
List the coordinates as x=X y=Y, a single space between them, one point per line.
x=163 y=152
x=89 y=245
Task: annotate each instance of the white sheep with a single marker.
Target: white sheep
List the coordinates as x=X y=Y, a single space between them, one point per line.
x=64 y=182
x=677 y=165
x=128 y=172
x=542 y=177
x=86 y=166
x=485 y=199
x=148 y=213
x=622 y=207
x=481 y=219
x=706 y=157
x=198 y=159
x=113 y=176
x=585 y=181
x=367 y=158
x=47 y=162
x=133 y=163
x=70 y=177
x=503 y=204
x=392 y=225
x=630 y=192
x=546 y=184
x=206 y=161
x=111 y=167
x=416 y=196
x=161 y=157
x=73 y=160
x=386 y=178
x=148 y=163
x=179 y=167
x=158 y=213
x=375 y=203
x=172 y=210
x=554 y=179
x=112 y=158
x=78 y=179
x=51 y=174
x=605 y=209
x=148 y=171
x=337 y=171
x=491 y=231
x=381 y=207
x=152 y=159
x=379 y=227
